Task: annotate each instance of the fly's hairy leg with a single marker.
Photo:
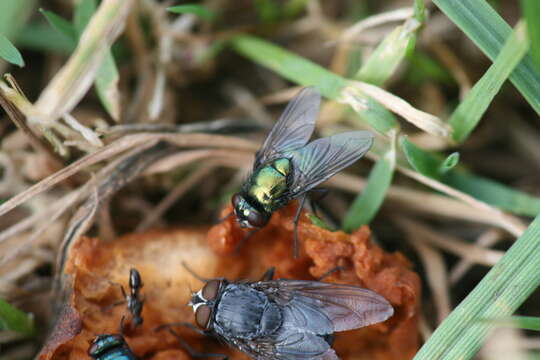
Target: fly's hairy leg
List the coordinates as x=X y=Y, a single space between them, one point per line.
x=244 y=239
x=295 y=222
x=192 y=352
x=269 y=274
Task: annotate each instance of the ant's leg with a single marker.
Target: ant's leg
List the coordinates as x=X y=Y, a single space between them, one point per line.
x=109 y=307
x=122 y=324
x=123 y=292
x=295 y=222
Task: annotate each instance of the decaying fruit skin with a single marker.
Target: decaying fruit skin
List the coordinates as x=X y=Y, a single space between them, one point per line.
x=94 y=266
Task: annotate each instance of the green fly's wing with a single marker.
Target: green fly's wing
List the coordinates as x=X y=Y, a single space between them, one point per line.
x=294 y=127
x=323 y=158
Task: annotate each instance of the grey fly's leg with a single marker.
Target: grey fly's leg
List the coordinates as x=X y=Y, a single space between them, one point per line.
x=269 y=274
x=184 y=324
x=243 y=241
x=295 y=222
x=331 y=271
x=192 y=352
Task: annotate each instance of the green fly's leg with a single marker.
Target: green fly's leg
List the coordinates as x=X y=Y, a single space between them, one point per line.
x=243 y=241
x=220 y=220
x=295 y=222
x=312 y=204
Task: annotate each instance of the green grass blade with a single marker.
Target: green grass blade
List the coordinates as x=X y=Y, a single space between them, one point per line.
x=422 y=67
x=507 y=285
x=531 y=12
x=449 y=163
x=9 y=52
x=199 y=10
x=40 y=36
x=107 y=76
x=61 y=25
x=13 y=16
x=469 y=112
x=294 y=7
x=12 y=319
x=372 y=112
x=486 y=190
x=289 y=65
x=389 y=54
x=307 y=73
x=489 y=32
x=83 y=13
x=426 y=163
x=367 y=204
x=317 y=221
x=107 y=79
x=521 y=322
x=422 y=161
x=494 y=193
x=419 y=10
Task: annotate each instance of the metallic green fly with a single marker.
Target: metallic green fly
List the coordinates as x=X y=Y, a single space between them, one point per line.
x=288 y=167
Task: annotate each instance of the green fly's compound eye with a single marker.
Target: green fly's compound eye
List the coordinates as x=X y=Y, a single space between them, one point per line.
x=235 y=200
x=256 y=219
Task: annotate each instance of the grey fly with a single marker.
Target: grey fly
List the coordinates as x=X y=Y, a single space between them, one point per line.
x=284 y=319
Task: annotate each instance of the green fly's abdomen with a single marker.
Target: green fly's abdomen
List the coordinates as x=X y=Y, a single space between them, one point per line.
x=269 y=183
x=110 y=347
x=118 y=354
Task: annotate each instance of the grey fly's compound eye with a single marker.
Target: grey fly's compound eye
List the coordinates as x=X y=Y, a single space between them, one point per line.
x=202 y=316
x=211 y=289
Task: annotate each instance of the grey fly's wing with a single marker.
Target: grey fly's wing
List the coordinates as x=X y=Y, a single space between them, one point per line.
x=287 y=344
x=293 y=129
x=291 y=344
x=323 y=308
x=323 y=158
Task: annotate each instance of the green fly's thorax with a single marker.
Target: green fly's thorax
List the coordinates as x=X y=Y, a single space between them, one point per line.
x=269 y=183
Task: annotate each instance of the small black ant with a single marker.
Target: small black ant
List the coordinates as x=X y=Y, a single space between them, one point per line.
x=133 y=300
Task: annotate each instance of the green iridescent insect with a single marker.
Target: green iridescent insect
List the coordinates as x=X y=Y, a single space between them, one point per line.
x=110 y=347
x=288 y=167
